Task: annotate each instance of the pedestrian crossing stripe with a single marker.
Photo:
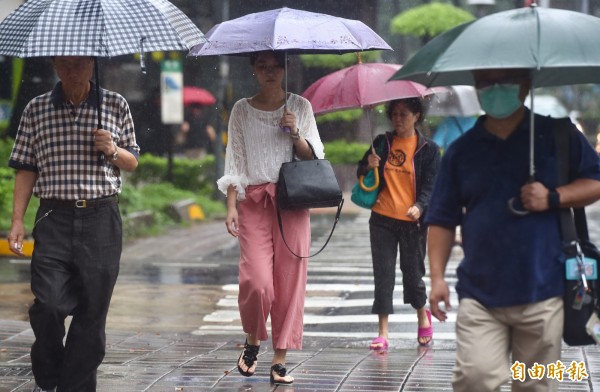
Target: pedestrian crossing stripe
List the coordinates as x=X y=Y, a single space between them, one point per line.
x=229 y=316
x=231 y=301
x=336 y=287
x=228 y=329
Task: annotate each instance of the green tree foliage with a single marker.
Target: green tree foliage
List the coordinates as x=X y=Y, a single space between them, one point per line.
x=341 y=152
x=6 y=189
x=341 y=115
x=337 y=61
x=7 y=178
x=197 y=175
x=7 y=181
x=427 y=21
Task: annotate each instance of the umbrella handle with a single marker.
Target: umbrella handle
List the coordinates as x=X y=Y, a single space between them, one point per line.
x=514 y=210
x=511 y=202
x=375 y=184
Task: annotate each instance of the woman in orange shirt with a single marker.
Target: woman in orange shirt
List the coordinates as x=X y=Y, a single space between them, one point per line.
x=407 y=162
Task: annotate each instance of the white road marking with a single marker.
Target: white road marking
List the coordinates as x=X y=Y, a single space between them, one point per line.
x=233 y=315
x=228 y=329
x=230 y=301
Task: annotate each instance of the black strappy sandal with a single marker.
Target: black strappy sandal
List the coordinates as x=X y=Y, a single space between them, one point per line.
x=249 y=355
x=281 y=372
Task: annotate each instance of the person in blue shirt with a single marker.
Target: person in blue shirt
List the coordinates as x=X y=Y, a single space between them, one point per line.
x=510 y=282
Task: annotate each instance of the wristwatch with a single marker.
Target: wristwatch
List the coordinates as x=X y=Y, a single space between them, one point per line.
x=115 y=155
x=553 y=199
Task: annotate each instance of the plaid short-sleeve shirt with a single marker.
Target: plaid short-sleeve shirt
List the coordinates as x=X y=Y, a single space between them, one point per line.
x=56 y=140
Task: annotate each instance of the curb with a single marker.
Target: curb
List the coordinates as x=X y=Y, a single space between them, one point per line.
x=27 y=249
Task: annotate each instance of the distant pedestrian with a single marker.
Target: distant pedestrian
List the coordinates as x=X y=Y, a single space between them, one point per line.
x=450 y=129
x=197 y=136
x=510 y=282
x=77 y=230
x=407 y=163
x=272 y=280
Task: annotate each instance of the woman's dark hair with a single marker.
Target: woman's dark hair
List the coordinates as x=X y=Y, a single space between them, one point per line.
x=279 y=57
x=415 y=105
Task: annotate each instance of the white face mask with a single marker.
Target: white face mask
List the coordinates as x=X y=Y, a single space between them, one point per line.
x=500 y=100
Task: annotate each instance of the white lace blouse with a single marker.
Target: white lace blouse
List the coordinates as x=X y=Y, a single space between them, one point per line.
x=257 y=147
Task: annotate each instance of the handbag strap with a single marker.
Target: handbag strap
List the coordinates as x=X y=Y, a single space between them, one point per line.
x=337 y=215
x=314 y=156
x=335 y=221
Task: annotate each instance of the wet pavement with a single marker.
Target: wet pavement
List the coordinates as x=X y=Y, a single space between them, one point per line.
x=173 y=325
x=146 y=361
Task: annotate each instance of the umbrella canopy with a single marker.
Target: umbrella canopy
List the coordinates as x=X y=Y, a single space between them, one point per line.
x=559 y=46
x=450 y=129
x=99 y=28
x=290 y=30
x=359 y=86
x=456 y=101
x=196 y=95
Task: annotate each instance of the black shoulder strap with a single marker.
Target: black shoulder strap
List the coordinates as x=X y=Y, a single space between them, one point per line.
x=573 y=222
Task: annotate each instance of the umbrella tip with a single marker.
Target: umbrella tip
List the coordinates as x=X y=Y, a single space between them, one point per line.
x=358 y=59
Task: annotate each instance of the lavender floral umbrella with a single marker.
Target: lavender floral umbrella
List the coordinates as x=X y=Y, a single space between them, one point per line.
x=289 y=30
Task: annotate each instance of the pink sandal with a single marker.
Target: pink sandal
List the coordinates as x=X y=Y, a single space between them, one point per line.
x=425 y=332
x=379 y=344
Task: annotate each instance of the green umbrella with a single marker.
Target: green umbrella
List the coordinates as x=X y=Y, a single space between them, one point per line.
x=560 y=47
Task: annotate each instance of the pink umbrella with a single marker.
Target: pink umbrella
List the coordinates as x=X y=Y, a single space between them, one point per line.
x=198 y=96
x=360 y=86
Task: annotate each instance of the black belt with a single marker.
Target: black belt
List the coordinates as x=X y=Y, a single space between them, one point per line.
x=90 y=203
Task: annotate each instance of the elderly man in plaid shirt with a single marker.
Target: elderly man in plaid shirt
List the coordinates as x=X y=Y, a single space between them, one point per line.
x=77 y=230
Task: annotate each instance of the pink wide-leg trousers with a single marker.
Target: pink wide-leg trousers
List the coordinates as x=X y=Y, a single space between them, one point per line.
x=272 y=280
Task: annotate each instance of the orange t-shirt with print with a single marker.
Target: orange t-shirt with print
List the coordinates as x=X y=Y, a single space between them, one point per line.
x=399 y=193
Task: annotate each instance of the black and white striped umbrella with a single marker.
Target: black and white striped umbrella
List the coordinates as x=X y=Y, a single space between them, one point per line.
x=99 y=28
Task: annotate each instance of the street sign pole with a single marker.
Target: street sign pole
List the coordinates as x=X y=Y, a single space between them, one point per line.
x=171 y=93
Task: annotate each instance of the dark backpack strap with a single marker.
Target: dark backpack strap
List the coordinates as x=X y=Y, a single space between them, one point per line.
x=562 y=145
x=579 y=229
x=337 y=218
x=581 y=224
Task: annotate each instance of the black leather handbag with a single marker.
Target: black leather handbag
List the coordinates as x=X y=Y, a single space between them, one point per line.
x=308 y=184
x=579 y=303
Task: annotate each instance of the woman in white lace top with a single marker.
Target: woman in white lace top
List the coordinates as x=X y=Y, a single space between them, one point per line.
x=262 y=135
